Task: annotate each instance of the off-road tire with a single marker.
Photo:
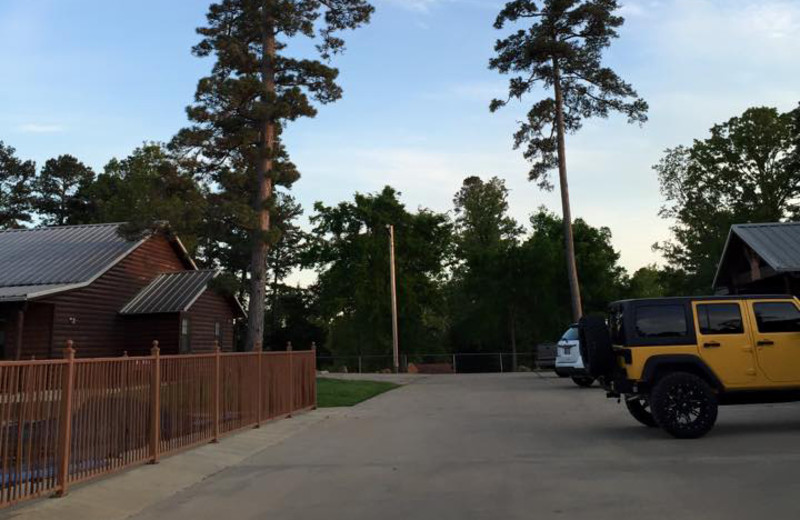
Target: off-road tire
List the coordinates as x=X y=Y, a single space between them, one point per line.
x=561 y=373
x=639 y=408
x=583 y=381
x=684 y=405
x=597 y=351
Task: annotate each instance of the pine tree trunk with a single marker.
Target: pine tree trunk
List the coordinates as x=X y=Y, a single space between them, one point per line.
x=572 y=270
x=258 y=262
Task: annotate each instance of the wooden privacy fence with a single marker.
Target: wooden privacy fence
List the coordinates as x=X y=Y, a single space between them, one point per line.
x=68 y=420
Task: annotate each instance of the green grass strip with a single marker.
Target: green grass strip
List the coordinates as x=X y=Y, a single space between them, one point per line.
x=333 y=393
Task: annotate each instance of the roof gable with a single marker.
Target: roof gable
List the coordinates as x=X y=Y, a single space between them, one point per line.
x=170 y=292
x=777 y=243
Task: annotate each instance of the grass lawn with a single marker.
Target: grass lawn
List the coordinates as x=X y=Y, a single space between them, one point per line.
x=336 y=392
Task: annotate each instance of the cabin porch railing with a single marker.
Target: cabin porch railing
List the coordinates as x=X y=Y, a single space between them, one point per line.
x=68 y=420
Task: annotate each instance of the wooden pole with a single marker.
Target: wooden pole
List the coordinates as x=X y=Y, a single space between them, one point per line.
x=314 y=375
x=393 y=276
x=291 y=378
x=259 y=385
x=65 y=435
x=217 y=390
x=155 y=402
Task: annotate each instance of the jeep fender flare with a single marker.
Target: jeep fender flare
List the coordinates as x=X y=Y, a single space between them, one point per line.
x=682 y=362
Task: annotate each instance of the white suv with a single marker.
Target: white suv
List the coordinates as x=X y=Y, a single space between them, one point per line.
x=568 y=358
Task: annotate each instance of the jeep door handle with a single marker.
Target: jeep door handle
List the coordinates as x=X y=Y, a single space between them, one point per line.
x=712 y=344
x=765 y=343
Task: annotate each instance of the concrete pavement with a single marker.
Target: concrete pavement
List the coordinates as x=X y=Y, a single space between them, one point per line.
x=505 y=447
x=508 y=446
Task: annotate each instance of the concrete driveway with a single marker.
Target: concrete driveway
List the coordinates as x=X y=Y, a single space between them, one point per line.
x=507 y=447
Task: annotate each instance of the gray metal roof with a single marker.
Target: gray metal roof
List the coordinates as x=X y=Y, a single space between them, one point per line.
x=35 y=262
x=777 y=243
x=170 y=292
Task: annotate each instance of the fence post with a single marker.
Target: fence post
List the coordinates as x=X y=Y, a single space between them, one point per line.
x=259 y=398
x=359 y=364
x=314 y=375
x=501 y=362
x=291 y=378
x=65 y=439
x=455 y=370
x=217 y=389
x=155 y=403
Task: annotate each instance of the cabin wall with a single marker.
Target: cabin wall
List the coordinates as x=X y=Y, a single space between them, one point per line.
x=210 y=308
x=90 y=316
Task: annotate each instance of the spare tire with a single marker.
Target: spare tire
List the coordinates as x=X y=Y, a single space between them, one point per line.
x=596 y=349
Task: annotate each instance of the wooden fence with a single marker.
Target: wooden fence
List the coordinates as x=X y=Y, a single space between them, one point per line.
x=68 y=420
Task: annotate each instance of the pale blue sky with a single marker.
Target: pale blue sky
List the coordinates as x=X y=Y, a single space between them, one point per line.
x=96 y=78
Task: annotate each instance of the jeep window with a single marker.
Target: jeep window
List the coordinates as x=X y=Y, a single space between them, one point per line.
x=720 y=318
x=570 y=335
x=777 y=317
x=661 y=321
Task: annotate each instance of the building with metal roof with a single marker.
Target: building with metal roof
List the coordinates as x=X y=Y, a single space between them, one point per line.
x=108 y=290
x=760 y=258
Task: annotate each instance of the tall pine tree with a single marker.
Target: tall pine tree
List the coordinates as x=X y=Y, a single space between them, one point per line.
x=561 y=50
x=16 y=197
x=59 y=190
x=254 y=89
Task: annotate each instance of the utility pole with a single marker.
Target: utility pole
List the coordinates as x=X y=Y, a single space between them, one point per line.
x=395 y=335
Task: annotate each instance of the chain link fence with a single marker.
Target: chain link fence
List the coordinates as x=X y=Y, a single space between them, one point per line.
x=458 y=363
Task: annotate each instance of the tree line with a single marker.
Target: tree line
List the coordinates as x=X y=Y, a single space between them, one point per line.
x=473 y=279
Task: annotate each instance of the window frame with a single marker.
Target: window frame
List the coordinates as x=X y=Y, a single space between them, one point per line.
x=706 y=305
x=185 y=339
x=629 y=317
x=758 y=321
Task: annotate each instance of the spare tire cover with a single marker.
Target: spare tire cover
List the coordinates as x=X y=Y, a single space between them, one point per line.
x=596 y=348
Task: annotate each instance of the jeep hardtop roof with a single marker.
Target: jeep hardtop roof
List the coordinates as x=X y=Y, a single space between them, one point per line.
x=682 y=299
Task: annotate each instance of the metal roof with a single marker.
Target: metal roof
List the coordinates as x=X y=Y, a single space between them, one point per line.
x=170 y=292
x=52 y=259
x=777 y=243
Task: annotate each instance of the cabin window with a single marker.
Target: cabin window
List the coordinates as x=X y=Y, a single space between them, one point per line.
x=218 y=332
x=186 y=346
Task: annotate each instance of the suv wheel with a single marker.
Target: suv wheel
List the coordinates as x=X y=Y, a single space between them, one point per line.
x=639 y=408
x=684 y=405
x=583 y=381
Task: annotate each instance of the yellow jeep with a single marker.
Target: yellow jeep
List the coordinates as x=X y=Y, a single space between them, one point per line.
x=675 y=360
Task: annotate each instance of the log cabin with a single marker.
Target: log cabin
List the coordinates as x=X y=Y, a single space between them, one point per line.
x=108 y=293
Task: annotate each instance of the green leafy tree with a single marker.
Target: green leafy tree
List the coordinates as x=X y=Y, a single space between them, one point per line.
x=147 y=188
x=60 y=191
x=16 y=177
x=648 y=282
x=561 y=51
x=597 y=260
x=482 y=293
x=350 y=251
x=746 y=171
x=254 y=89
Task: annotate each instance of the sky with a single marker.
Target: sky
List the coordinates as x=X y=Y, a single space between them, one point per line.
x=96 y=79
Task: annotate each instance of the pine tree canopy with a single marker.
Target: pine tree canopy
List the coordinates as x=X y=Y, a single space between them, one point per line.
x=16 y=177
x=563 y=44
x=232 y=103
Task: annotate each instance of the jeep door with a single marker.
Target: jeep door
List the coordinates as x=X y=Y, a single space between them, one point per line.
x=724 y=340
x=777 y=337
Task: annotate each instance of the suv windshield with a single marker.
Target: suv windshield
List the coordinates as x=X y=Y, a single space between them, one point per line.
x=570 y=335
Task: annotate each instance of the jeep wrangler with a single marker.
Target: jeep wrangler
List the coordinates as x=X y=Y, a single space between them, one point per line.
x=675 y=360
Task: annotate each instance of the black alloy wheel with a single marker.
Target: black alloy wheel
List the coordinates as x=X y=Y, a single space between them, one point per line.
x=684 y=405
